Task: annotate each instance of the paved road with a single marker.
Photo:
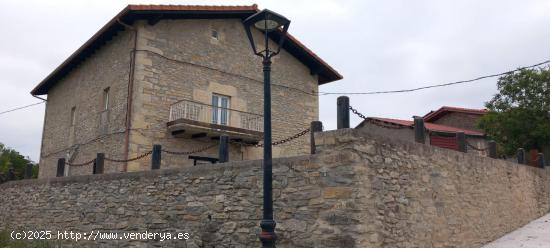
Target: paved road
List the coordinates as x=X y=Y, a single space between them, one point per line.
x=533 y=235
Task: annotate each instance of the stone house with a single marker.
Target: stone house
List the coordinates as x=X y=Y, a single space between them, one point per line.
x=179 y=76
x=441 y=128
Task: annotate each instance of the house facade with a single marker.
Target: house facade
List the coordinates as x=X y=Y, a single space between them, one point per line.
x=441 y=126
x=178 y=76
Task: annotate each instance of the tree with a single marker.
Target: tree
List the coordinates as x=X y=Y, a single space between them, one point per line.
x=519 y=115
x=10 y=158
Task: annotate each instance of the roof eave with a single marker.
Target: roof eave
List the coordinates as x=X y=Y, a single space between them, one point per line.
x=434 y=115
x=39 y=89
x=326 y=75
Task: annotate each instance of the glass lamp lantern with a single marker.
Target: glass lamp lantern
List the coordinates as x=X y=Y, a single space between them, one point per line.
x=267 y=22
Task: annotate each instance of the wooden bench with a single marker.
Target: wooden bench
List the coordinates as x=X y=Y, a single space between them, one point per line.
x=199 y=158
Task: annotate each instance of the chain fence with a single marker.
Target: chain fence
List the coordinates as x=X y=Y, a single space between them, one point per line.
x=375 y=122
x=190 y=152
x=202 y=149
x=144 y=155
x=293 y=137
x=81 y=164
x=130 y=159
x=278 y=142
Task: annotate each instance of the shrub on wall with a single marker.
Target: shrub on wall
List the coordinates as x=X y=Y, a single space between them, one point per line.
x=10 y=158
x=519 y=115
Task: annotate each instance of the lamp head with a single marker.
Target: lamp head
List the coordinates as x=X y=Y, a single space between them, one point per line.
x=267 y=22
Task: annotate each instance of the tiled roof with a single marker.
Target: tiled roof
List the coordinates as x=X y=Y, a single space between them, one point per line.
x=131 y=13
x=434 y=115
x=170 y=7
x=429 y=126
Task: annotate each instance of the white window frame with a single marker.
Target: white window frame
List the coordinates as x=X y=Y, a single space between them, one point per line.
x=73 y=116
x=106 y=92
x=219 y=110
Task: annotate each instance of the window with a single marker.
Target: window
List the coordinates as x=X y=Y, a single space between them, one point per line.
x=215 y=34
x=220 y=109
x=73 y=116
x=72 y=123
x=105 y=103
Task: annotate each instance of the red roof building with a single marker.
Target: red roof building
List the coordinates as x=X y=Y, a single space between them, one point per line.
x=441 y=125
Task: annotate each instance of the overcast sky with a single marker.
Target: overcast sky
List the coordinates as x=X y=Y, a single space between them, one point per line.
x=376 y=45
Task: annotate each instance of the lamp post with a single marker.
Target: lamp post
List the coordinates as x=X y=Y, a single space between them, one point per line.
x=274 y=26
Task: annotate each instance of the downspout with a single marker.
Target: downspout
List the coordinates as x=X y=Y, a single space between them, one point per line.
x=130 y=94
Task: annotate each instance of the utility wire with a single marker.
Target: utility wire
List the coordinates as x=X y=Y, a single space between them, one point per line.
x=335 y=93
x=23 y=107
x=433 y=86
x=313 y=93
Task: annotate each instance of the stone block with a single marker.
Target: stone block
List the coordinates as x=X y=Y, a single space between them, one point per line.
x=337 y=192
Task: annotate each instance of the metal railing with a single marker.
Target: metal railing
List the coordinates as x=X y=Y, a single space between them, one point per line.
x=197 y=111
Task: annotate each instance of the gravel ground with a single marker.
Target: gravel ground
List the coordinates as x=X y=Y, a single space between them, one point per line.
x=533 y=235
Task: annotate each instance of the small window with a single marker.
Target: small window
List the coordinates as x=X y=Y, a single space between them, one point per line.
x=106 y=98
x=220 y=109
x=215 y=34
x=73 y=116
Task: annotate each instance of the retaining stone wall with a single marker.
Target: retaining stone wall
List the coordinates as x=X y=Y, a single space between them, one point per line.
x=359 y=191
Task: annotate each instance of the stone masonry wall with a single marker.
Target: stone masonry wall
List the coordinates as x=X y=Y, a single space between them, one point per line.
x=179 y=59
x=83 y=89
x=426 y=196
x=358 y=191
x=460 y=120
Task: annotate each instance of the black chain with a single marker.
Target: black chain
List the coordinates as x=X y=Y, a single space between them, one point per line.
x=130 y=159
x=279 y=142
x=298 y=135
x=375 y=122
x=81 y=164
x=191 y=152
x=357 y=112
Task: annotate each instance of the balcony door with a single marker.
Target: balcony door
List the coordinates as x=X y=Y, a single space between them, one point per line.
x=220 y=109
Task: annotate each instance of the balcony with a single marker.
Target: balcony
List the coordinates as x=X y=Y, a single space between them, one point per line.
x=191 y=119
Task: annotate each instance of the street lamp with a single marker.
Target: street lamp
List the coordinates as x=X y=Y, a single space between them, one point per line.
x=270 y=24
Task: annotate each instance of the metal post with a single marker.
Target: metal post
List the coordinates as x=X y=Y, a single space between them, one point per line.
x=28 y=171
x=521 y=156
x=60 y=167
x=223 y=153
x=98 y=163
x=155 y=157
x=492 y=149
x=316 y=126
x=342 y=114
x=419 y=130
x=267 y=235
x=461 y=141
x=540 y=160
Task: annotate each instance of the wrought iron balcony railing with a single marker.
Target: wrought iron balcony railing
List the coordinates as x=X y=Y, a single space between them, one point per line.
x=218 y=116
